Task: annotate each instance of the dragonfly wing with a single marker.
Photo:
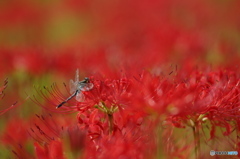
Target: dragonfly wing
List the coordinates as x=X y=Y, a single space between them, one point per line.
x=77 y=76
x=80 y=96
x=87 y=87
x=72 y=86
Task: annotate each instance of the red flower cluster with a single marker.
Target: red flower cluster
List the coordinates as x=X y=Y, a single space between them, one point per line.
x=132 y=105
x=121 y=116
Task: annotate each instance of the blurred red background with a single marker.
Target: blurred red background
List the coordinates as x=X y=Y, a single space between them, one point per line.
x=42 y=42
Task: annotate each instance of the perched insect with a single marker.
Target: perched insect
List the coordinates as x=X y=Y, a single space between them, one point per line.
x=76 y=88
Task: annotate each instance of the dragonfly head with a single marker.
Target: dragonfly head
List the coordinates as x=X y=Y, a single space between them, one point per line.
x=86 y=80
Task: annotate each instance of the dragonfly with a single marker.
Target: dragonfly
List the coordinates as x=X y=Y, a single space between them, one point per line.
x=76 y=89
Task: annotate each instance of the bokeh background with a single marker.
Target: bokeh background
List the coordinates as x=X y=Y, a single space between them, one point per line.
x=45 y=41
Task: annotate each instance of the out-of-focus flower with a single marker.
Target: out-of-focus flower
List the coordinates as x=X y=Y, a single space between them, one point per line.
x=1 y=97
x=51 y=135
x=51 y=151
x=15 y=136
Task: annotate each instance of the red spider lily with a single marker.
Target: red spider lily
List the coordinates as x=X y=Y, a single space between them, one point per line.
x=53 y=150
x=129 y=139
x=15 y=136
x=15 y=133
x=151 y=92
x=54 y=97
x=131 y=144
x=77 y=137
x=112 y=93
x=106 y=98
x=108 y=94
x=202 y=97
x=29 y=60
x=108 y=115
x=45 y=129
x=51 y=133
x=206 y=92
x=106 y=111
x=54 y=138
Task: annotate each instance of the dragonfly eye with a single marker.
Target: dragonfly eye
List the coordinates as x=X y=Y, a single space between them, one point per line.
x=86 y=79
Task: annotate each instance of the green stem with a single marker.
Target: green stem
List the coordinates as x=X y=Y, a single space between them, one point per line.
x=196 y=140
x=110 y=123
x=238 y=137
